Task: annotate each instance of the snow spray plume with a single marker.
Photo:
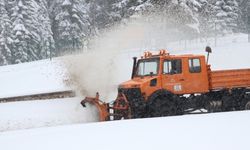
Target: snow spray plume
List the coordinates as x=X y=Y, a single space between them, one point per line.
x=98 y=69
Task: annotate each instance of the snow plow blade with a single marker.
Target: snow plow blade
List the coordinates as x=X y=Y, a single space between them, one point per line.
x=117 y=110
x=102 y=107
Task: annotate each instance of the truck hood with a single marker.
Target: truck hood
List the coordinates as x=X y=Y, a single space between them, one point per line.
x=136 y=82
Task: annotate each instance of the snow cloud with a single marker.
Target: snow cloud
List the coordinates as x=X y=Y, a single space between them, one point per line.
x=98 y=69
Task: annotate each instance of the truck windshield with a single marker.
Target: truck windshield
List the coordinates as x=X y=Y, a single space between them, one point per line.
x=148 y=67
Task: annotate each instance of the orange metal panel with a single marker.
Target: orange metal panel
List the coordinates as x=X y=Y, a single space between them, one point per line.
x=229 y=78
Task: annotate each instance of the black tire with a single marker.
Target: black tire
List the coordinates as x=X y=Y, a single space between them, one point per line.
x=247 y=106
x=137 y=108
x=162 y=103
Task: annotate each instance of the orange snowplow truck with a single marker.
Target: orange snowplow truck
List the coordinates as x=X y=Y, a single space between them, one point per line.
x=166 y=85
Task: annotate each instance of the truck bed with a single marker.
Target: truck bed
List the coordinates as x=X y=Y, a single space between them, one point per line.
x=229 y=79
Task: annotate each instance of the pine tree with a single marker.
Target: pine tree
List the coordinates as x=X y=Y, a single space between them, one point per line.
x=31 y=30
x=47 y=44
x=205 y=17
x=35 y=29
x=126 y=8
x=26 y=30
x=180 y=15
x=232 y=10
x=225 y=12
x=5 y=39
x=104 y=14
x=143 y=5
x=70 y=26
x=116 y=10
x=20 y=33
x=133 y=6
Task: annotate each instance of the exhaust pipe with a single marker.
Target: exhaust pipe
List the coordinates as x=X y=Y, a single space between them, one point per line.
x=134 y=67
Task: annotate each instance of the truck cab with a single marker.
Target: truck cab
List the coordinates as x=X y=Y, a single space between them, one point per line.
x=178 y=74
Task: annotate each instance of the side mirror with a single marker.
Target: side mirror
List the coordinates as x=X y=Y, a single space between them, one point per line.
x=208 y=50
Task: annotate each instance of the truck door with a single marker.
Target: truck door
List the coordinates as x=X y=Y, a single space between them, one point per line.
x=196 y=79
x=172 y=75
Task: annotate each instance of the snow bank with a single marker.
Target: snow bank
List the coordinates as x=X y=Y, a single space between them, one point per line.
x=34 y=114
x=225 y=131
x=32 y=78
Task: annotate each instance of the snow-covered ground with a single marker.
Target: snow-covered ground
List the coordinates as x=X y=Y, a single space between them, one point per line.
x=33 y=114
x=221 y=131
x=31 y=78
x=210 y=131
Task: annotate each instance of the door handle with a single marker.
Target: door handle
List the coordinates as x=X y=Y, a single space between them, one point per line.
x=182 y=79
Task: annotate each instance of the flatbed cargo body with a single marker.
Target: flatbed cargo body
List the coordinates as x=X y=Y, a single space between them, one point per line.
x=228 y=79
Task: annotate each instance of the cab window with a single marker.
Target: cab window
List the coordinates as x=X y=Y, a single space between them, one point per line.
x=172 y=66
x=194 y=65
x=148 y=67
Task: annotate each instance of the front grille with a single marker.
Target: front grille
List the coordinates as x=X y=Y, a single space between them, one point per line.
x=131 y=93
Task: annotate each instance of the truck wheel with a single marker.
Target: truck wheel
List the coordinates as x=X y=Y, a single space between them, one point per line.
x=137 y=108
x=161 y=103
x=247 y=106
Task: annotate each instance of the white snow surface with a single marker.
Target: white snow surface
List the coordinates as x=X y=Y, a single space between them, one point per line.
x=225 y=131
x=32 y=78
x=54 y=112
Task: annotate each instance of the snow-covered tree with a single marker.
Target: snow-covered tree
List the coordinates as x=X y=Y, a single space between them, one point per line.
x=30 y=30
x=35 y=29
x=225 y=14
x=205 y=18
x=5 y=39
x=117 y=9
x=126 y=8
x=20 y=33
x=232 y=10
x=104 y=14
x=47 y=44
x=27 y=32
x=179 y=15
x=70 y=25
